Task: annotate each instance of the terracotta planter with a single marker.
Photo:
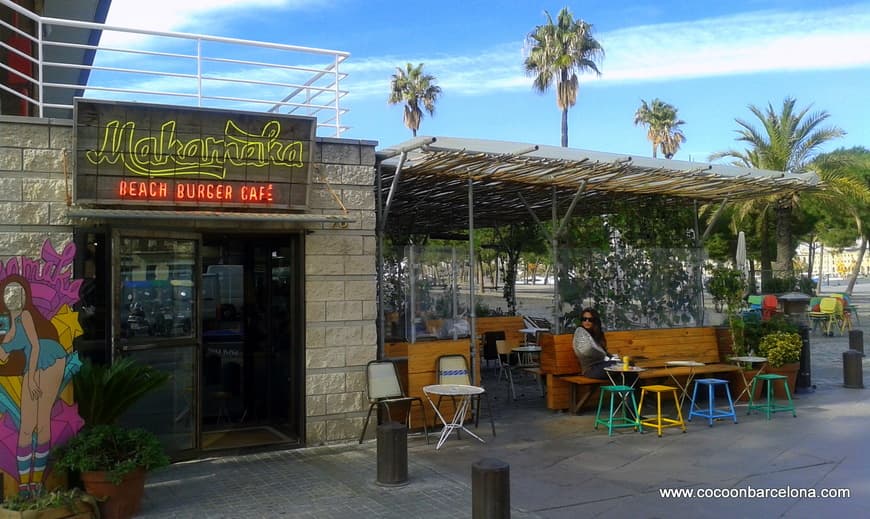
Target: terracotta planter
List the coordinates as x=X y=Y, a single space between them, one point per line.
x=122 y=500
x=789 y=370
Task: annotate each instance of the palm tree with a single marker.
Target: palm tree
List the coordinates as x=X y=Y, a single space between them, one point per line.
x=788 y=141
x=558 y=52
x=412 y=87
x=663 y=126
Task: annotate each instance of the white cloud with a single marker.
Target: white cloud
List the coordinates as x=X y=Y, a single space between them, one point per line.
x=754 y=42
x=762 y=41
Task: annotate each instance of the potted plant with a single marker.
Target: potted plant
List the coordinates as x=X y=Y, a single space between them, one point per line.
x=105 y=392
x=57 y=504
x=112 y=461
x=783 y=352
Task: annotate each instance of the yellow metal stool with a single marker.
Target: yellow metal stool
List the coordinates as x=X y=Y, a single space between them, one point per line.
x=660 y=422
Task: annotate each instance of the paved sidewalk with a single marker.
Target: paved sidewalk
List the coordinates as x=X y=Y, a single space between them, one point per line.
x=560 y=467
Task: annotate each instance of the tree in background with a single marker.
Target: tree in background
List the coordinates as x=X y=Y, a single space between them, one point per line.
x=843 y=208
x=558 y=52
x=663 y=126
x=414 y=88
x=787 y=141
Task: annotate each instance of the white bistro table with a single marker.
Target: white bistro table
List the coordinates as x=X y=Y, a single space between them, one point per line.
x=691 y=364
x=464 y=394
x=746 y=359
x=525 y=354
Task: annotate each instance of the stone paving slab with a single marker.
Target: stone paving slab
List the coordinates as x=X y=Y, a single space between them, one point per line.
x=560 y=467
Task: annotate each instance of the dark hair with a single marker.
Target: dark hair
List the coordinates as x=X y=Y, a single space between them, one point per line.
x=597 y=332
x=44 y=328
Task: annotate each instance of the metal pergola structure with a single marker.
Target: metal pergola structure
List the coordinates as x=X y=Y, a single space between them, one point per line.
x=443 y=184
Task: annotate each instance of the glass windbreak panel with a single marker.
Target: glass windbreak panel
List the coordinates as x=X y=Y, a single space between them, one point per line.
x=426 y=293
x=158 y=296
x=169 y=411
x=633 y=287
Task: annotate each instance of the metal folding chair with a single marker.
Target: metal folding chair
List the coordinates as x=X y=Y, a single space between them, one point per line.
x=384 y=389
x=453 y=369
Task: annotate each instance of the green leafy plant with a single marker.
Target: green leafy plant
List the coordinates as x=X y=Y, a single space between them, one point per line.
x=70 y=499
x=755 y=329
x=105 y=393
x=727 y=287
x=112 y=449
x=780 y=348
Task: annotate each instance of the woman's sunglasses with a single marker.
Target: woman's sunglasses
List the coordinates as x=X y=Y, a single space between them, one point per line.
x=586 y=319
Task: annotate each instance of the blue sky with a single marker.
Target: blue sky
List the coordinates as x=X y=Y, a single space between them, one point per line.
x=709 y=59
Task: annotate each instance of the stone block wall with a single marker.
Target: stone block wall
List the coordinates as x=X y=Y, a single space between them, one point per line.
x=340 y=273
x=35 y=176
x=340 y=291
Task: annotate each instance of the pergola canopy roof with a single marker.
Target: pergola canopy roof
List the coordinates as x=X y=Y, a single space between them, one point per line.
x=511 y=178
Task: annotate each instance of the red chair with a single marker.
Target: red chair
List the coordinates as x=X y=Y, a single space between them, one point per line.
x=769 y=306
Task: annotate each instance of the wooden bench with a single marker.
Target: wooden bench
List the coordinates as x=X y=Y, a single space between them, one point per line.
x=649 y=348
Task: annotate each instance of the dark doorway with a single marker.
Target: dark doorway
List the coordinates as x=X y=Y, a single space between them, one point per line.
x=252 y=341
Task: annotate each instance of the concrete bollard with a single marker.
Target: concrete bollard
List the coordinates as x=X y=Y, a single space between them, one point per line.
x=856 y=340
x=392 y=454
x=490 y=489
x=853 y=369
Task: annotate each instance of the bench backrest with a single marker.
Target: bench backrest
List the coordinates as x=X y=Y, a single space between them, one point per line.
x=509 y=324
x=656 y=345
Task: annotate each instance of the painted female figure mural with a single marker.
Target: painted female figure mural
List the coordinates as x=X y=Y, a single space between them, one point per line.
x=29 y=399
x=45 y=363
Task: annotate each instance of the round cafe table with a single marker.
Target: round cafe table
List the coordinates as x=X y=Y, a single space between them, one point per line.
x=747 y=359
x=464 y=394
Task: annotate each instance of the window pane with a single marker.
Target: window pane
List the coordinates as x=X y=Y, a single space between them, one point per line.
x=158 y=296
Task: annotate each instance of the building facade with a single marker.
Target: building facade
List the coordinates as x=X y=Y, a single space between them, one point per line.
x=265 y=315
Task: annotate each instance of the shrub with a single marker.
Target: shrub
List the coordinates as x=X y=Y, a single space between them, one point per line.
x=780 y=348
x=113 y=449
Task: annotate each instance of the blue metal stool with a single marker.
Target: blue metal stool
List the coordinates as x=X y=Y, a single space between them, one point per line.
x=711 y=412
x=615 y=418
x=770 y=406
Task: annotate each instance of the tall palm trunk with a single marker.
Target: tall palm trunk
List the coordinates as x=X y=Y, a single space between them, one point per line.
x=766 y=267
x=565 y=127
x=856 y=270
x=784 y=249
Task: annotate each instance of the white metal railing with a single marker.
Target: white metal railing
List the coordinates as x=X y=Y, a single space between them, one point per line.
x=45 y=68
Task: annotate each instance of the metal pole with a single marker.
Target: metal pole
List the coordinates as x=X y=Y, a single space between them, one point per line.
x=856 y=340
x=412 y=283
x=455 y=288
x=557 y=272
x=471 y=284
x=379 y=254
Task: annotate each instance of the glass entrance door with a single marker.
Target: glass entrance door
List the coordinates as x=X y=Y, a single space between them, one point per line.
x=252 y=354
x=156 y=321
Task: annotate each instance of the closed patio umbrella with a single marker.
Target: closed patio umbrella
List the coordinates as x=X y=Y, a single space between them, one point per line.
x=741 y=255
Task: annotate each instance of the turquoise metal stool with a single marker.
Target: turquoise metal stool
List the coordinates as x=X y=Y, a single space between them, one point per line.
x=618 y=417
x=711 y=412
x=770 y=406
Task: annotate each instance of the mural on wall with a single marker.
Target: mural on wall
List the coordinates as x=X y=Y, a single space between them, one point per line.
x=37 y=362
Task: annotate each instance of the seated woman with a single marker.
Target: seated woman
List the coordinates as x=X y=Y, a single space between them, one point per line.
x=590 y=346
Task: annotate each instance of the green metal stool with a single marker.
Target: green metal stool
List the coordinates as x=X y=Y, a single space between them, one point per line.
x=618 y=417
x=770 y=406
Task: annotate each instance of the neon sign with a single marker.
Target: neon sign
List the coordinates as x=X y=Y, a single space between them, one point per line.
x=156 y=156
x=195 y=192
x=166 y=156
